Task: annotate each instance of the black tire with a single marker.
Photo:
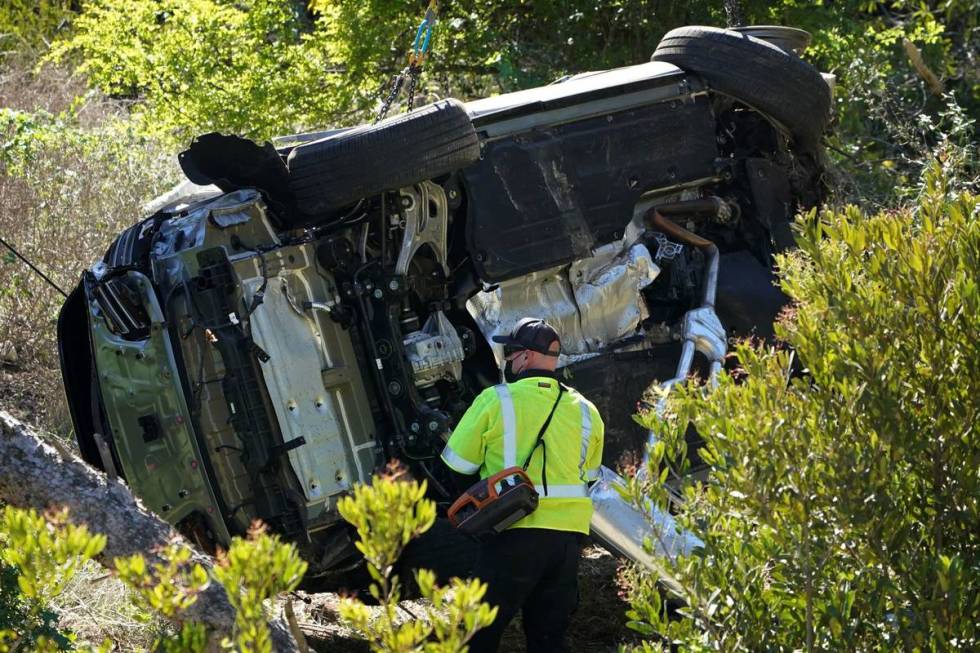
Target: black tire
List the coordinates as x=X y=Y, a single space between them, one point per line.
x=755 y=72
x=430 y=141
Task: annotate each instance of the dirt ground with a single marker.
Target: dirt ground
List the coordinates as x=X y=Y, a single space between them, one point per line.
x=599 y=625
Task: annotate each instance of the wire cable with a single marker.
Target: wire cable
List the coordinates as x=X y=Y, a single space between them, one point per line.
x=31 y=266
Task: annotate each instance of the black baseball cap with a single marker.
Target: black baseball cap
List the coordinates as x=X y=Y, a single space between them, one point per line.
x=530 y=333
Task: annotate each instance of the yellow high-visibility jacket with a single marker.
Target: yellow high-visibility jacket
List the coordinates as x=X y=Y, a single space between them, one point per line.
x=499 y=430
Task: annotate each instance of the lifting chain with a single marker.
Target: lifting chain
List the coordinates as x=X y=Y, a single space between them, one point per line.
x=416 y=58
x=734 y=14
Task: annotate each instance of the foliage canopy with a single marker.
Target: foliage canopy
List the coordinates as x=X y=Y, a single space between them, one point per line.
x=42 y=552
x=262 y=68
x=842 y=507
x=31 y=24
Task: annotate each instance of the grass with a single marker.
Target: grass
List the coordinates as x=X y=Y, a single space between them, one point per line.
x=96 y=606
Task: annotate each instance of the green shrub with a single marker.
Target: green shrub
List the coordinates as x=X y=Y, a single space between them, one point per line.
x=32 y=24
x=168 y=589
x=42 y=552
x=263 y=567
x=887 y=118
x=40 y=555
x=251 y=68
x=842 y=506
x=24 y=623
x=388 y=514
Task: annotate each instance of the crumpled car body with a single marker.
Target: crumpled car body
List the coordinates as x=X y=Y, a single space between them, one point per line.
x=234 y=362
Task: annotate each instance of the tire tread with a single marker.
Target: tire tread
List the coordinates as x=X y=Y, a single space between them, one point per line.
x=756 y=72
x=431 y=141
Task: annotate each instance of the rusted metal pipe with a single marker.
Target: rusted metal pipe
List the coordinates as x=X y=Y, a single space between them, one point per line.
x=701 y=322
x=704 y=206
x=657 y=220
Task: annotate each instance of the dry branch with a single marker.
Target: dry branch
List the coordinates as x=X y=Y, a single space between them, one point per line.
x=34 y=474
x=930 y=78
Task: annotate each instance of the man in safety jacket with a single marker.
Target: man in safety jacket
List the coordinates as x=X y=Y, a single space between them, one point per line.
x=533 y=565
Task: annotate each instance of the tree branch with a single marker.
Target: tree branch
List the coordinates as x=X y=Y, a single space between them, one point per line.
x=915 y=57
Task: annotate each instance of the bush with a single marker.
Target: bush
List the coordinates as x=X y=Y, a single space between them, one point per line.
x=43 y=552
x=40 y=556
x=263 y=568
x=841 y=510
x=253 y=68
x=388 y=514
x=888 y=118
x=65 y=193
x=167 y=589
x=32 y=24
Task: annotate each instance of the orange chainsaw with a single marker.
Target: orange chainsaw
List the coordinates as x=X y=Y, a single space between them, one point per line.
x=494 y=503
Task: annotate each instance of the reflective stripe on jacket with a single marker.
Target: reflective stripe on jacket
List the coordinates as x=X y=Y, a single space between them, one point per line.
x=500 y=429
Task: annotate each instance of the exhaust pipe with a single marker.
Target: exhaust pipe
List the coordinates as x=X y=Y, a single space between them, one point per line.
x=617 y=523
x=701 y=328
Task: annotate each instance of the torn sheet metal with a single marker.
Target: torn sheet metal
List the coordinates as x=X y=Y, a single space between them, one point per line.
x=607 y=290
x=592 y=303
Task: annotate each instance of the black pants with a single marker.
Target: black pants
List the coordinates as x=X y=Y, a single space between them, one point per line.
x=536 y=571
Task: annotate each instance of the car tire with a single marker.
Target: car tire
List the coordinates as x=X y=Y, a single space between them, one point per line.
x=336 y=171
x=756 y=73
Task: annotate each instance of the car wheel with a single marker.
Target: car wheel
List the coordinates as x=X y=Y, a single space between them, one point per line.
x=336 y=171
x=755 y=72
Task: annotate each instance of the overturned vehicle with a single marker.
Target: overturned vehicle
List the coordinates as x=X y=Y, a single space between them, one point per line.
x=298 y=314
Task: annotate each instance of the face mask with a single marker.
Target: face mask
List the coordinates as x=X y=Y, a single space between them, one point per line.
x=509 y=373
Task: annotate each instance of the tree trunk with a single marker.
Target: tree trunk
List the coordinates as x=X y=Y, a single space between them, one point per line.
x=34 y=474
